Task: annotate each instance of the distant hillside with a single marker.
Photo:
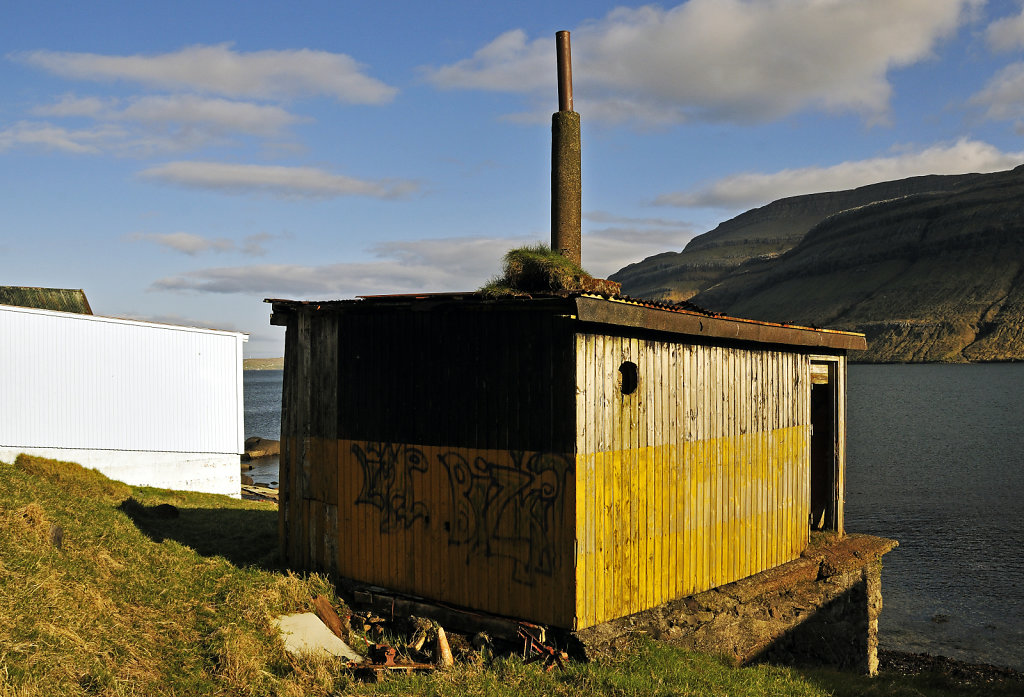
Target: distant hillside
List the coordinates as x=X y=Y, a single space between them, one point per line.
x=935 y=274
x=761 y=233
x=263 y=364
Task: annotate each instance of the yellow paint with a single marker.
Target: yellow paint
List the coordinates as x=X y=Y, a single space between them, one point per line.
x=731 y=528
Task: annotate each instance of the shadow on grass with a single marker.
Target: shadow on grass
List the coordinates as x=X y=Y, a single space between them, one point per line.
x=245 y=537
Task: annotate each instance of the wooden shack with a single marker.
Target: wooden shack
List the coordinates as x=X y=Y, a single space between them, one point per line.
x=564 y=460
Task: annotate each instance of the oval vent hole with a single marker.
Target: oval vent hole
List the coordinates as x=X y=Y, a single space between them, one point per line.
x=629 y=378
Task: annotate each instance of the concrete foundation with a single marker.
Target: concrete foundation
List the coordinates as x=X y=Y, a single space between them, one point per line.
x=212 y=473
x=819 y=609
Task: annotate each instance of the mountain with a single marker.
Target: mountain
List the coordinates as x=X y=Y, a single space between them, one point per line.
x=761 y=233
x=932 y=269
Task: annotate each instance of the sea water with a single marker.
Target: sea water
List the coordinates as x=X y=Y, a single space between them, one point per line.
x=936 y=461
x=262 y=394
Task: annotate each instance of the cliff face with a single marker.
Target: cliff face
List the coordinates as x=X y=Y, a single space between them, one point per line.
x=936 y=274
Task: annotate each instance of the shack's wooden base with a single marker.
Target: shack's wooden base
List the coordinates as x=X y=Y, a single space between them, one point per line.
x=820 y=609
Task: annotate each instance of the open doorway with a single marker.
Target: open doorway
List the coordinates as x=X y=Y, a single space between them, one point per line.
x=826 y=455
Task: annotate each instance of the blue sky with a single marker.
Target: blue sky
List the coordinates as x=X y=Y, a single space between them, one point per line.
x=182 y=161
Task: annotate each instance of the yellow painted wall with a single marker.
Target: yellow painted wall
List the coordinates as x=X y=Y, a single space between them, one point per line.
x=698 y=478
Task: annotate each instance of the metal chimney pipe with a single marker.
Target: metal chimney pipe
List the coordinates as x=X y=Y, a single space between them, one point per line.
x=566 y=185
x=563 y=54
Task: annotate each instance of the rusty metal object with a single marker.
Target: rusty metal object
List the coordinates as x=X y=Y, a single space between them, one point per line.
x=535 y=650
x=382 y=654
x=564 y=58
x=382 y=661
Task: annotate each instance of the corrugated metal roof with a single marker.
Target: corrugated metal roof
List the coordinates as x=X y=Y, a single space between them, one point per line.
x=59 y=299
x=680 y=318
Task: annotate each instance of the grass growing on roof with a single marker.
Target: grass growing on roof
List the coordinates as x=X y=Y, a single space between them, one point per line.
x=535 y=269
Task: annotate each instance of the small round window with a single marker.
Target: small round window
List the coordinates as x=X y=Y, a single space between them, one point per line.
x=629 y=378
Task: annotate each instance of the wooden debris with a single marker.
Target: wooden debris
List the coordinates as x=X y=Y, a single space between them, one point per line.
x=464 y=621
x=325 y=611
x=259 y=493
x=444 y=652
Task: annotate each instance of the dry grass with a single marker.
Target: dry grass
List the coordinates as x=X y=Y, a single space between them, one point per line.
x=122 y=608
x=130 y=606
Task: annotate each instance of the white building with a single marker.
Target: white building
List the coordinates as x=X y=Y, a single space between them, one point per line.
x=148 y=404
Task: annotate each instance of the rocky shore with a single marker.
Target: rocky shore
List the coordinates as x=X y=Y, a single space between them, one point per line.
x=968 y=674
x=256 y=448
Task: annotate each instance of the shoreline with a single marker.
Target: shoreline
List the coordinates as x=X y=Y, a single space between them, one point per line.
x=263 y=363
x=906 y=663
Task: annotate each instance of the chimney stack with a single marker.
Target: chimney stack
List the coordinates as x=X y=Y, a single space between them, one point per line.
x=566 y=187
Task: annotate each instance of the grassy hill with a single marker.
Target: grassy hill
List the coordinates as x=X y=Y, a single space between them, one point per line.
x=934 y=275
x=107 y=589
x=759 y=234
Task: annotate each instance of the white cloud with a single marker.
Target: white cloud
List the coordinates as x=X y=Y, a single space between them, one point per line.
x=606 y=217
x=722 y=60
x=219 y=115
x=419 y=266
x=305 y=281
x=82 y=141
x=508 y=63
x=179 y=320
x=1006 y=34
x=414 y=266
x=252 y=245
x=193 y=245
x=628 y=239
x=754 y=189
x=221 y=70
x=275 y=180
x=1003 y=95
x=186 y=242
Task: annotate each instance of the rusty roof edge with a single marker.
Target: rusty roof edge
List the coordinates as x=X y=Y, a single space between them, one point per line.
x=603 y=310
x=622 y=311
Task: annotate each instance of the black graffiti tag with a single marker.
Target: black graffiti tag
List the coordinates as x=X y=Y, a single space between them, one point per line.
x=388 y=483
x=507 y=510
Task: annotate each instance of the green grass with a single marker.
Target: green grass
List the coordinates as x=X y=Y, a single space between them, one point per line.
x=139 y=602
x=534 y=269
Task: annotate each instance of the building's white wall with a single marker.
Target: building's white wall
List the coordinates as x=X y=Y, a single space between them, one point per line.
x=84 y=383
x=213 y=473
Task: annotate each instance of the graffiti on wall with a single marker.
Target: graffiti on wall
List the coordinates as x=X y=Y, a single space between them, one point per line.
x=507 y=509
x=503 y=503
x=388 y=471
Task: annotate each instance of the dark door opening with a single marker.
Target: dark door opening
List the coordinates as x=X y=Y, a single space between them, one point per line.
x=824 y=458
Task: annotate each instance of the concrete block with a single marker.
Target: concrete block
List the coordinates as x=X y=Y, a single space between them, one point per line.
x=306 y=633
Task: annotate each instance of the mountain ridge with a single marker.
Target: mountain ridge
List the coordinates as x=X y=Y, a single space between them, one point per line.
x=930 y=268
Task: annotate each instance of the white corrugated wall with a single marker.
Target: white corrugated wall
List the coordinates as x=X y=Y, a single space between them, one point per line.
x=86 y=382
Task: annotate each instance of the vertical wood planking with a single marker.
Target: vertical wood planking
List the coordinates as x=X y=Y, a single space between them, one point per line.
x=613 y=579
x=693 y=481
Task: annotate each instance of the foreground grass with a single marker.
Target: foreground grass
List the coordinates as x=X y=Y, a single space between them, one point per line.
x=136 y=601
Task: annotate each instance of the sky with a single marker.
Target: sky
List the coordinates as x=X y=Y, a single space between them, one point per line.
x=182 y=161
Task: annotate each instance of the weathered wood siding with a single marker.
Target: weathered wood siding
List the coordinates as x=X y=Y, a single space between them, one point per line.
x=698 y=478
x=433 y=453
